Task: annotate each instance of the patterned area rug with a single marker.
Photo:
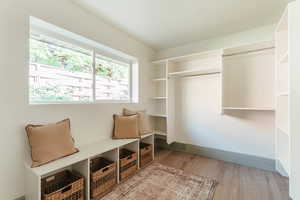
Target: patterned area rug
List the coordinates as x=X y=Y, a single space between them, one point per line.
x=159 y=182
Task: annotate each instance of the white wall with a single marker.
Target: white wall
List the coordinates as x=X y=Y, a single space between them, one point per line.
x=198 y=102
x=264 y=33
x=89 y=122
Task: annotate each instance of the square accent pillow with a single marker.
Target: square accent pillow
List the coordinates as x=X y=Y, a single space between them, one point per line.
x=50 y=142
x=144 y=122
x=126 y=127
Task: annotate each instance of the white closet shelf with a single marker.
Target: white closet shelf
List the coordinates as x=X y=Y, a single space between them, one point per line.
x=158 y=115
x=159 y=62
x=284 y=58
x=194 y=72
x=284 y=131
x=190 y=57
x=283 y=94
x=160 y=133
x=159 y=98
x=196 y=56
x=146 y=135
x=250 y=108
x=159 y=79
x=248 y=48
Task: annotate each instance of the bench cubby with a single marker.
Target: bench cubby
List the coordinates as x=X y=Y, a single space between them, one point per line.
x=146 y=151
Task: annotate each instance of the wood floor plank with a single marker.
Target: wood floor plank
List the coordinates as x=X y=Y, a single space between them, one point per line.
x=236 y=182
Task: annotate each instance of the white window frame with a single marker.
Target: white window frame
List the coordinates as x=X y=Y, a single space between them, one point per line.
x=130 y=100
x=95 y=50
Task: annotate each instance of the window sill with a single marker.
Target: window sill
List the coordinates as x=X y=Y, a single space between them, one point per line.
x=83 y=103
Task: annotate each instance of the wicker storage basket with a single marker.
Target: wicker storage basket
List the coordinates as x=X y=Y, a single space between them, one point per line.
x=65 y=185
x=146 y=155
x=103 y=177
x=128 y=163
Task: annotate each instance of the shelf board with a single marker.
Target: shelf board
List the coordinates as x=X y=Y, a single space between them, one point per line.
x=147 y=135
x=190 y=57
x=159 y=79
x=159 y=98
x=159 y=62
x=248 y=48
x=158 y=115
x=284 y=131
x=194 y=72
x=160 y=133
x=281 y=94
x=196 y=56
x=284 y=58
x=245 y=108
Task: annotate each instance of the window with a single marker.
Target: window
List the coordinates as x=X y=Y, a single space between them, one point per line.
x=63 y=72
x=112 y=79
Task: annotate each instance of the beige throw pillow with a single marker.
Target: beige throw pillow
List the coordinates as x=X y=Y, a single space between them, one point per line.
x=126 y=127
x=144 y=122
x=50 y=142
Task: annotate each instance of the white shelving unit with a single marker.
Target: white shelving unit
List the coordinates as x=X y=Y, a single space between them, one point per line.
x=204 y=63
x=282 y=97
x=248 y=80
x=246 y=73
x=80 y=162
x=159 y=112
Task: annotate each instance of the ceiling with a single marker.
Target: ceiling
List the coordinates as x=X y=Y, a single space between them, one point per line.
x=165 y=24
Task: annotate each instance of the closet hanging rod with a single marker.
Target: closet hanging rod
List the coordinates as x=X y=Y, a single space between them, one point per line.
x=249 y=52
x=195 y=75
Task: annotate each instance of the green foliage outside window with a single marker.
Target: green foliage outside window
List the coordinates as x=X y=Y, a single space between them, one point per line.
x=60 y=55
x=56 y=56
x=75 y=60
x=49 y=93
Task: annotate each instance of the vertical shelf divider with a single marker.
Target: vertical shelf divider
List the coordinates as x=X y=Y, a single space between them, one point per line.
x=282 y=135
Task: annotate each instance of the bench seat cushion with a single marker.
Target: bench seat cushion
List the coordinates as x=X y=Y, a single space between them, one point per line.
x=50 y=142
x=126 y=127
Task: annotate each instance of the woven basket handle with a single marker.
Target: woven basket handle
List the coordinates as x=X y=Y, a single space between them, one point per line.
x=105 y=169
x=129 y=157
x=66 y=189
x=51 y=178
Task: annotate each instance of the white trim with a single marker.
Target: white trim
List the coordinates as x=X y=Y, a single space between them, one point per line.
x=58 y=102
x=112 y=101
x=94 y=76
x=79 y=102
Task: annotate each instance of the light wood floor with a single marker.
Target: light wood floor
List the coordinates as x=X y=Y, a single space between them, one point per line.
x=236 y=182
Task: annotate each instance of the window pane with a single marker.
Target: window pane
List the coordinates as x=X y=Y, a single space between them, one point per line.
x=112 y=79
x=59 y=71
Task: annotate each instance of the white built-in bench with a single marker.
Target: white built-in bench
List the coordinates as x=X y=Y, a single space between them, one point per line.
x=80 y=162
